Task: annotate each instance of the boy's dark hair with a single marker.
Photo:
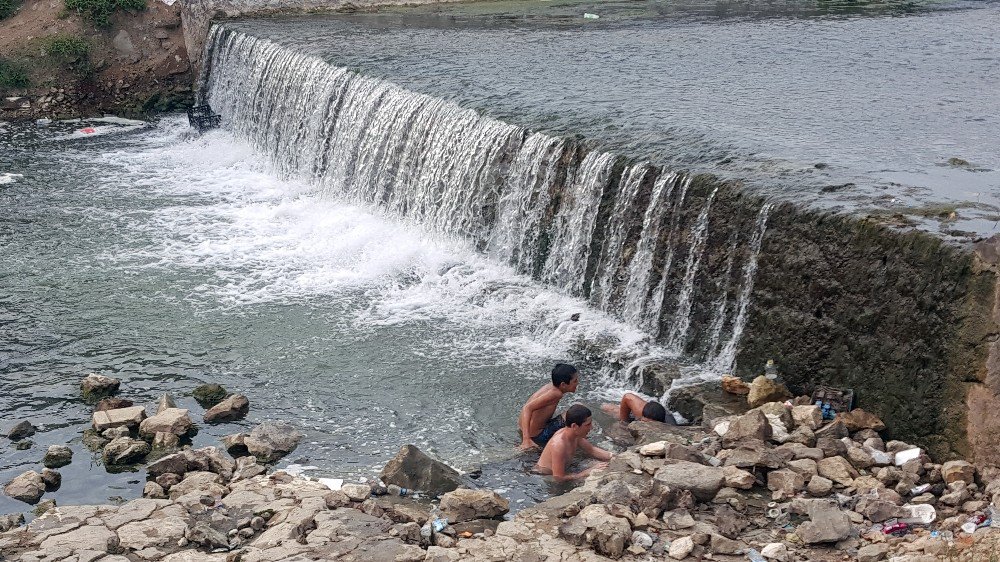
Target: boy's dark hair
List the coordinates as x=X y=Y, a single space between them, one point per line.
x=655 y=411
x=577 y=414
x=562 y=373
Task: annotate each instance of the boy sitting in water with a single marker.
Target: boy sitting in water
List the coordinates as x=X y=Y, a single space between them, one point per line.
x=559 y=452
x=634 y=408
x=537 y=422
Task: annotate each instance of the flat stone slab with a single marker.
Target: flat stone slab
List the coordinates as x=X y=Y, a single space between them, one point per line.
x=127 y=417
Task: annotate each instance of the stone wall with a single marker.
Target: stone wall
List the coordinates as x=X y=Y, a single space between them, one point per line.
x=904 y=319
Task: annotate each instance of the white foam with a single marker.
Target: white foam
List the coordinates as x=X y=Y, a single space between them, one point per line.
x=7 y=177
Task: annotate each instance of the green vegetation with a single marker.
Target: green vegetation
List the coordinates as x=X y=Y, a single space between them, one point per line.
x=100 y=11
x=12 y=75
x=67 y=46
x=7 y=8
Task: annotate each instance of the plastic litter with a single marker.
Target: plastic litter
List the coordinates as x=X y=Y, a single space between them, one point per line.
x=332 y=483
x=43 y=122
x=919 y=514
x=832 y=400
x=897 y=529
x=755 y=556
x=589 y=16
x=917 y=490
x=395 y=490
x=908 y=455
x=722 y=427
x=770 y=371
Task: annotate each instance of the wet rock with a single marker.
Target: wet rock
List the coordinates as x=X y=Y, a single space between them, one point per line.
x=735 y=385
x=112 y=404
x=858 y=419
x=21 y=430
x=752 y=425
x=954 y=471
x=827 y=524
x=209 y=395
x=680 y=548
x=8 y=522
x=95 y=387
x=93 y=440
x=57 y=456
x=411 y=468
x=24 y=444
x=702 y=481
x=175 y=421
x=764 y=390
x=235 y=445
x=127 y=417
x=464 y=504
x=270 y=441
x=231 y=409
x=165 y=441
x=28 y=487
x=165 y=402
x=115 y=432
x=52 y=479
x=125 y=450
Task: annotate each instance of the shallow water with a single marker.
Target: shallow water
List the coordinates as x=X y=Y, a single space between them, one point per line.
x=850 y=105
x=169 y=260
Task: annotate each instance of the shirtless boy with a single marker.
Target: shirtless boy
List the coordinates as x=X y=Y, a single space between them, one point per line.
x=537 y=422
x=558 y=454
x=634 y=408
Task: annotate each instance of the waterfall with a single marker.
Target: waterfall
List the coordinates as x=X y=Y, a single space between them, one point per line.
x=641 y=242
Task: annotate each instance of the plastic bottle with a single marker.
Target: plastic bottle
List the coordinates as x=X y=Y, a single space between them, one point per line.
x=770 y=371
x=754 y=556
x=437 y=520
x=395 y=490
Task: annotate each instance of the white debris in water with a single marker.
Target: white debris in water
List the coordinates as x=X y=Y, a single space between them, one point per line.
x=589 y=16
x=298 y=469
x=332 y=483
x=7 y=177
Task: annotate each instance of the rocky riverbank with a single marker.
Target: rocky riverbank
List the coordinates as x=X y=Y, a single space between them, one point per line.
x=777 y=482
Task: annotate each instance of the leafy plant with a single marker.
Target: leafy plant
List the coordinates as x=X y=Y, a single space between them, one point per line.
x=100 y=11
x=7 y=8
x=67 y=46
x=12 y=75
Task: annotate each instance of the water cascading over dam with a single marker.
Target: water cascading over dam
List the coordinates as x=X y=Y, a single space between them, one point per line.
x=713 y=272
x=634 y=239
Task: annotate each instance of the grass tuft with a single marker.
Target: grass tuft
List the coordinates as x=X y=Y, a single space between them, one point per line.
x=100 y=11
x=13 y=75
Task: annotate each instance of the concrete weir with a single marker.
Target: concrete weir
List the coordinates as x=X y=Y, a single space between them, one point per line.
x=711 y=270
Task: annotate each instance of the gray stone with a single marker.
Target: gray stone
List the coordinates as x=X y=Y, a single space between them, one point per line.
x=270 y=441
x=52 y=479
x=204 y=535
x=153 y=490
x=827 y=524
x=682 y=547
x=125 y=450
x=873 y=552
x=235 y=444
x=411 y=468
x=8 y=522
x=123 y=43
x=233 y=408
x=57 y=456
x=115 y=432
x=175 y=464
x=21 y=430
x=165 y=402
x=784 y=484
x=96 y=386
x=464 y=504
x=127 y=417
x=838 y=470
x=702 y=481
x=175 y=421
x=28 y=487
x=819 y=486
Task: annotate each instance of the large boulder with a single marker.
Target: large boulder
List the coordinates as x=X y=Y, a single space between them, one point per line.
x=209 y=395
x=752 y=425
x=125 y=450
x=28 y=487
x=95 y=387
x=411 y=468
x=702 y=481
x=57 y=456
x=121 y=417
x=464 y=504
x=174 y=421
x=21 y=430
x=231 y=409
x=764 y=390
x=827 y=524
x=270 y=441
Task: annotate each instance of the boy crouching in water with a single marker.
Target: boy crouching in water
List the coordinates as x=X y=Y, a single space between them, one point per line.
x=634 y=408
x=559 y=451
